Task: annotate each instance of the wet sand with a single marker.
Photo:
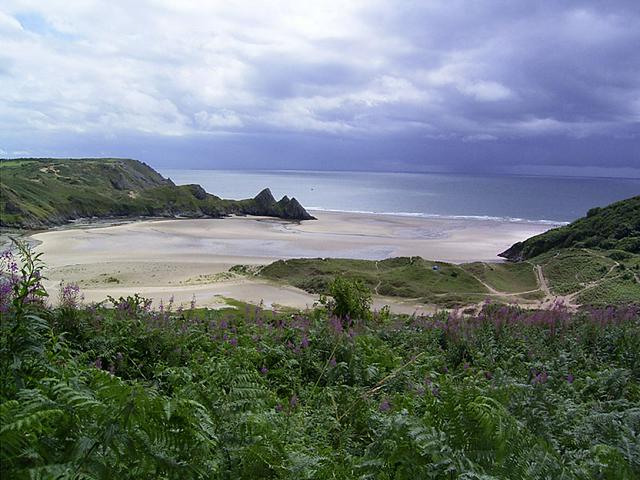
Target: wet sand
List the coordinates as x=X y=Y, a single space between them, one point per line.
x=187 y=258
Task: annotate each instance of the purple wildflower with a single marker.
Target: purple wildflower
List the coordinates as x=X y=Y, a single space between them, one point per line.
x=264 y=370
x=541 y=377
x=293 y=401
x=70 y=295
x=385 y=405
x=570 y=378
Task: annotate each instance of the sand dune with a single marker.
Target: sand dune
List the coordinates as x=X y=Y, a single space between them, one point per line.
x=186 y=258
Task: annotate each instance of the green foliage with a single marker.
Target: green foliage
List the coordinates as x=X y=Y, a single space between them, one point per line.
x=618 y=290
x=350 y=299
x=594 y=277
x=568 y=271
x=616 y=226
x=506 y=277
x=117 y=390
x=409 y=277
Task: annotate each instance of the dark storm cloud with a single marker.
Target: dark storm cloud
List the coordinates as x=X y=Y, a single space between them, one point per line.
x=483 y=86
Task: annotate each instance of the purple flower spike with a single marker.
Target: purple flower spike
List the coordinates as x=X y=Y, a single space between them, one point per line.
x=570 y=378
x=293 y=402
x=264 y=370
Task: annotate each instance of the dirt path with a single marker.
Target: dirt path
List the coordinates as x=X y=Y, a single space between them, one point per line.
x=375 y=289
x=542 y=281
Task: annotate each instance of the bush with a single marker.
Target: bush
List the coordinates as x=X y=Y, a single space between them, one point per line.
x=351 y=299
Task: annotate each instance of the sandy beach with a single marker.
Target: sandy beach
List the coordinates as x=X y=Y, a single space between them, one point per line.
x=191 y=258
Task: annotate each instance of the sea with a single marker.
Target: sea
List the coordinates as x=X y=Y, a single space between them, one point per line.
x=556 y=200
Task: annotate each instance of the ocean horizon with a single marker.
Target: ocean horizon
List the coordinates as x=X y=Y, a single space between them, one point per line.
x=555 y=200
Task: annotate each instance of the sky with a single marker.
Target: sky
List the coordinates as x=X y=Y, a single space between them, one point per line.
x=507 y=86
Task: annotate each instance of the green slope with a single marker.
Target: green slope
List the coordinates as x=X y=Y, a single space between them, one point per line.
x=616 y=226
x=406 y=277
x=36 y=193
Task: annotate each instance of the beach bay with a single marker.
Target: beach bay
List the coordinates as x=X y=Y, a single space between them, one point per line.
x=188 y=259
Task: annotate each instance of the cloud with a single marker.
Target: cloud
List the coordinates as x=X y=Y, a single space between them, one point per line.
x=449 y=71
x=214 y=120
x=486 y=91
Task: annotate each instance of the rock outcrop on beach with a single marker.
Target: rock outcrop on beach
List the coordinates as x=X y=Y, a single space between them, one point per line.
x=265 y=204
x=37 y=193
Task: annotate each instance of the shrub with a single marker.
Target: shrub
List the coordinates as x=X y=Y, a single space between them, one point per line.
x=351 y=299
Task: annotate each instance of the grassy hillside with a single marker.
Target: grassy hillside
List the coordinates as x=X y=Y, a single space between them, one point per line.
x=506 y=277
x=616 y=226
x=580 y=276
x=447 y=285
x=402 y=277
x=592 y=277
x=41 y=192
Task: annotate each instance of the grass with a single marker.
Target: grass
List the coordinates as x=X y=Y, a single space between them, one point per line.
x=410 y=277
x=622 y=288
x=505 y=277
x=407 y=277
x=451 y=286
x=568 y=271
